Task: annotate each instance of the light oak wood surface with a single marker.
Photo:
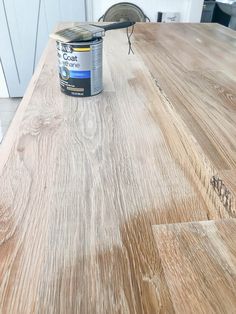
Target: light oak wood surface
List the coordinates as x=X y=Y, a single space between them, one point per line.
x=199 y=262
x=84 y=179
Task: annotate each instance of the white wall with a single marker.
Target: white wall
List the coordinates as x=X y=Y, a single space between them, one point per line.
x=24 y=29
x=190 y=10
x=194 y=11
x=3 y=86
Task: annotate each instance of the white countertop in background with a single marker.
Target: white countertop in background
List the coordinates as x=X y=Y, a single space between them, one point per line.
x=190 y=10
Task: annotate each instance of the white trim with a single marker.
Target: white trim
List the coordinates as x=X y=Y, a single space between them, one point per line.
x=89 y=10
x=1 y=132
x=194 y=11
x=3 y=85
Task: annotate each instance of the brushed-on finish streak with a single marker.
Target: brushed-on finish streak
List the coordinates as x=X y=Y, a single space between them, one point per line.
x=199 y=261
x=84 y=179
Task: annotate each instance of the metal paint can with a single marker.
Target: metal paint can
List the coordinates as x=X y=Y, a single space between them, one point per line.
x=80 y=67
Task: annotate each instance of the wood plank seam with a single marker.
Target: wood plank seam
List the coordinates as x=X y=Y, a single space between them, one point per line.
x=204 y=185
x=198 y=259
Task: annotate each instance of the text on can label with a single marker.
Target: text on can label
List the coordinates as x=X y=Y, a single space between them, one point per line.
x=69 y=58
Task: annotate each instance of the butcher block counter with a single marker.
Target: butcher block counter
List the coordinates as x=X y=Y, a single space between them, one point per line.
x=124 y=202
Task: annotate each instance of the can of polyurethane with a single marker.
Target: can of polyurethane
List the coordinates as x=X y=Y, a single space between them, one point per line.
x=80 y=67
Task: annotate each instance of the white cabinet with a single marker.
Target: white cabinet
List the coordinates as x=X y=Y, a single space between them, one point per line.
x=24 y=29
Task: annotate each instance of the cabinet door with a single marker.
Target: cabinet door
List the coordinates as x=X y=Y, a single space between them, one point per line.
x=24 y=29
x=207 y=13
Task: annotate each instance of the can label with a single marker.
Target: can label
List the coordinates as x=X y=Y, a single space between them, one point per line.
x=80 y=68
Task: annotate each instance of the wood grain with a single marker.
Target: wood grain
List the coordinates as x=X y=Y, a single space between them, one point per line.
x=201 y=93
x=205 y=100
x=199 y=261
x=84 y=179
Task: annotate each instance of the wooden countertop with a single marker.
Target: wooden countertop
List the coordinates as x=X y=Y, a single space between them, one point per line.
x=85 y=181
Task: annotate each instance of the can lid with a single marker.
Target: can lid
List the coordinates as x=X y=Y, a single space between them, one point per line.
x=81 y=43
